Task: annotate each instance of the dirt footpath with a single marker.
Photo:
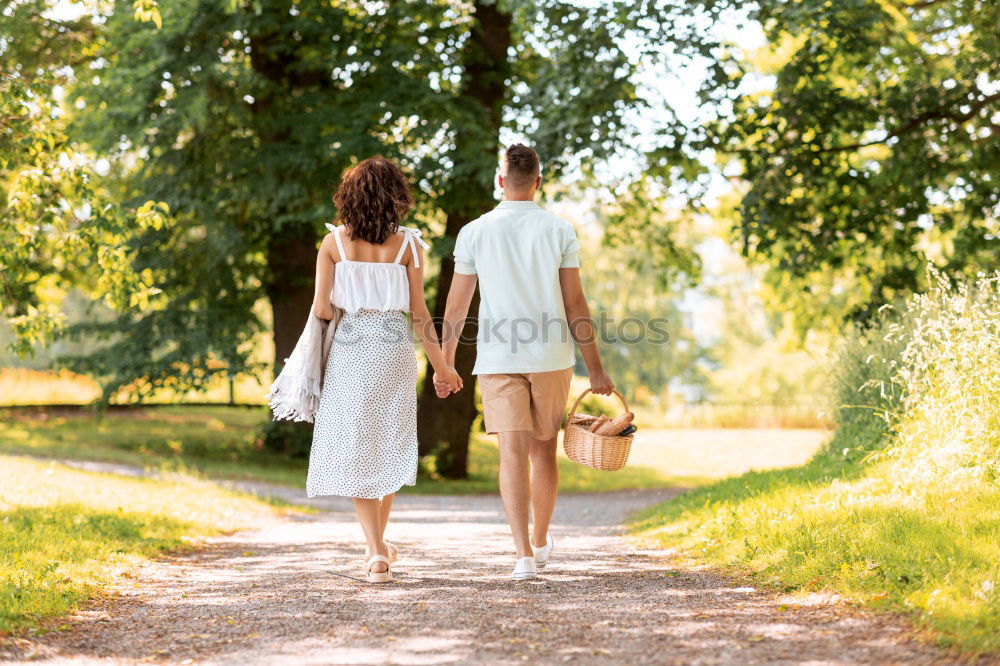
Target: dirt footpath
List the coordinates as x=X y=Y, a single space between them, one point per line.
x=290 y=593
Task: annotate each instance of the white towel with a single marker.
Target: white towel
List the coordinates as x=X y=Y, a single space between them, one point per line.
x=294 y=394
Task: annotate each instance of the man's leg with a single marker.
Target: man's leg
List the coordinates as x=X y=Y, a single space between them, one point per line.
x=548 y=402
x=507 y=413
x=515 y=450
x=544 y=486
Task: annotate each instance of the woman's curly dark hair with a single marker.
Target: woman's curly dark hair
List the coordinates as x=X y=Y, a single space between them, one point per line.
x=372 y=198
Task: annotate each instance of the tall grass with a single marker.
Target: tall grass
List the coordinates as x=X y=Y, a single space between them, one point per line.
x=902 y=509
x=949 y=426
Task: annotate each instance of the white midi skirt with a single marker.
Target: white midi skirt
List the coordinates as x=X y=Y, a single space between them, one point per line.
x=365 y=433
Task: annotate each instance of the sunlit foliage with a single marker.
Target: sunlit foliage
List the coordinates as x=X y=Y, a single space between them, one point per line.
x=59 y=225
x=868 y=133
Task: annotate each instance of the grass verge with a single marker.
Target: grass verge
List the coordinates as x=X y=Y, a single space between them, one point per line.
x=65 y=534
x=219 y=442
x=899 y=510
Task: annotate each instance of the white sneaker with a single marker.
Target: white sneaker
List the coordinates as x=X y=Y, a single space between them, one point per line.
x=543 y=553
x=524 y=569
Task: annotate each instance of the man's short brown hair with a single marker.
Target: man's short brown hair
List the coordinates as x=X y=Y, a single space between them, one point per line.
x=520 y=166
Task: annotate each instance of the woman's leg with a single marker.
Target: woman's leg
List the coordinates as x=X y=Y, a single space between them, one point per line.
x=369 y=515
x=383 y=510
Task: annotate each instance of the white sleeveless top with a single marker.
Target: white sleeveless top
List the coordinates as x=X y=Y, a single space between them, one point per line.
x=374 y=285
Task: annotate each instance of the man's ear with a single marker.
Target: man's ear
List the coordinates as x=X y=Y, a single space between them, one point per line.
x=500 y=181
x=538 y=183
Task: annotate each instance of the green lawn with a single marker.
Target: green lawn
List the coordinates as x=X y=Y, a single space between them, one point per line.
x=859 y=530
x=219 y=442
x=66 y=533
x=213 y=441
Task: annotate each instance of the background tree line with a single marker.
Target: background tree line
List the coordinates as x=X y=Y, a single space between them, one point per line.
x=177 y=158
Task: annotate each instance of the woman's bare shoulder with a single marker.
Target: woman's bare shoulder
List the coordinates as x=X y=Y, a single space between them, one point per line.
x=329 y=246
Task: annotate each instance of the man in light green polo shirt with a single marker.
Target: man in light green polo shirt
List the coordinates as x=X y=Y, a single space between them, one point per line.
x=532 y=310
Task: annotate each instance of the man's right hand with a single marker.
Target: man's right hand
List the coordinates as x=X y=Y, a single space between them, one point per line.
x=441 y=389
x=447 y=382
x=600 y=382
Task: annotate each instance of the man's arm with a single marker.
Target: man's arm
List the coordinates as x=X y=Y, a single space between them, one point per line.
x=456 y=311
x=582 y=329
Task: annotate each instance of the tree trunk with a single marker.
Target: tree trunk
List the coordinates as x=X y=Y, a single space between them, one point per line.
x=444 y=425
x=291 y=251
x=291 y=257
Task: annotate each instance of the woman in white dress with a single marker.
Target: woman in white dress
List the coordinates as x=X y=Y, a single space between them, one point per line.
x=365 y=435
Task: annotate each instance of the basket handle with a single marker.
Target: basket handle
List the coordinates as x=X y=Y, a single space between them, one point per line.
x=572 y=410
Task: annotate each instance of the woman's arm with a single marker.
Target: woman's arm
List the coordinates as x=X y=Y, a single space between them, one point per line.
x=324 y=279
x=423 y=324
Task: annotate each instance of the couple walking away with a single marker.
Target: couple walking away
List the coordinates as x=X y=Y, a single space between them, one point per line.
x=354 y=372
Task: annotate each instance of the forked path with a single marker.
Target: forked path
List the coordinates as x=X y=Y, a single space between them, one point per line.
x=283 y=594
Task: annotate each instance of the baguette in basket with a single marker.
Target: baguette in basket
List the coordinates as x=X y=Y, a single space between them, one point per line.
x=616 y=426
x=608 y=452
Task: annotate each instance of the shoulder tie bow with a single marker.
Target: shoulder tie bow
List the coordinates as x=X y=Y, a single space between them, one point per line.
x=414 y=236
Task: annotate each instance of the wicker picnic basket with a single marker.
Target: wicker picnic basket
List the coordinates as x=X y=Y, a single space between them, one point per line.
x=605 y=452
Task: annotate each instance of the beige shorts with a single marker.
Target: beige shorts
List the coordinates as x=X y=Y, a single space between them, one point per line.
x=533 y=401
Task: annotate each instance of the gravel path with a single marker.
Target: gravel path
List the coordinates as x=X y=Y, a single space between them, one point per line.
x=284 y=594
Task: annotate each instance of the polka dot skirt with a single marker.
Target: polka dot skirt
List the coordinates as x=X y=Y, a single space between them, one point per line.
x=365 y=433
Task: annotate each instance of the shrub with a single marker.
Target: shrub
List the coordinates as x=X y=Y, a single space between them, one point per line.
x=291 y=439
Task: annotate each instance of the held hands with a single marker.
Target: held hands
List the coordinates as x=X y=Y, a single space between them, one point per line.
x=601 y=383
x=447 y=382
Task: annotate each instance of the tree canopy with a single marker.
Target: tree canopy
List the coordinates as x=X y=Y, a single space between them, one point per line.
x=867 y=133
x=177 y=158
